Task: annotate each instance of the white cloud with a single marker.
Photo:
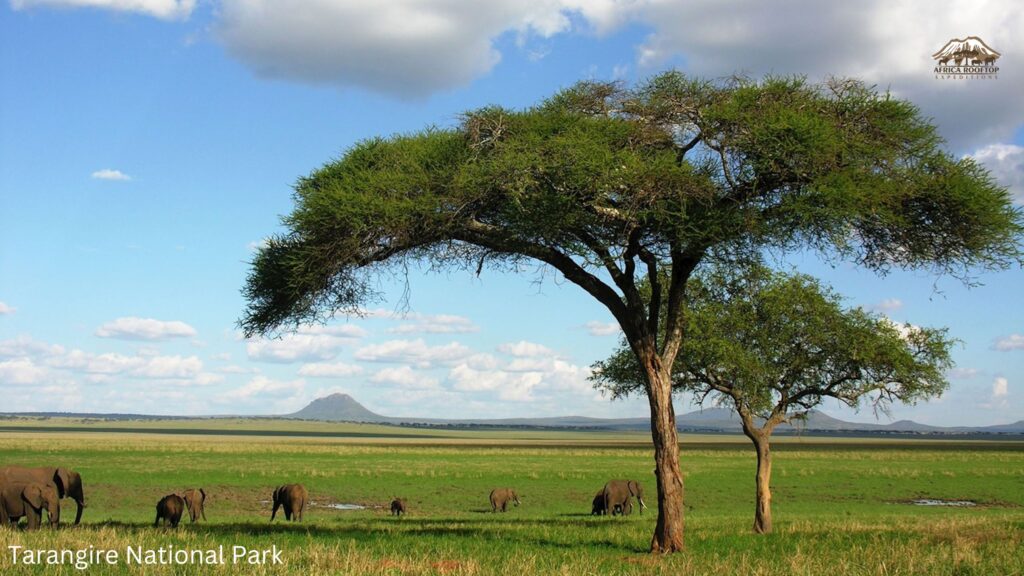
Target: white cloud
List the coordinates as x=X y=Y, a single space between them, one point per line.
x=1008 y=343
x=415 y=352
x=5 y=309
x=20 y=372
x=108 y=174
x=885 y=43
x=409 y=48
x=436 y=324
x=404 y=377
x=25 y=346
x=524 y=380
x=524 y=349
x=308 y=343
x=1006 y=162
x=1000 y=388
x=595 y=328
x=886 y=306
x=325 y=370
x=963 y=373
x=164 y=9
x=169 y=367
x=262 y=387
x=133 y=328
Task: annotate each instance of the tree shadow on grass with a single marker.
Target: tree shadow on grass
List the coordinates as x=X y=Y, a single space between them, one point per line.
x=371 y=531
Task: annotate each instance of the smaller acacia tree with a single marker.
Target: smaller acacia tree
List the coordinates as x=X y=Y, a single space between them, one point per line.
x=774 y=346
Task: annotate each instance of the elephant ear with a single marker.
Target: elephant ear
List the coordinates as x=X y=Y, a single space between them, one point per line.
x=33 y=494
x=62 y=478
x=203 y=494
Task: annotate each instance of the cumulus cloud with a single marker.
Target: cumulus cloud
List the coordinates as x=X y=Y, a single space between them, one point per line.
x=108 y=174
x=523 y=379
x=408 y=48
x=261 y=387
x=404 y=377
x=1000 y=387
x=886 y=43
x=415 y=352
x=27 y=347
x=164 y=9
x=963 y=373
x=436 y=324
x=1006 y=162
x=133 y=328
x=886 y=306
x=1008 y=343
x=595 y=328
x=5 y=309
x=21 y=372
x=308 y=343
x=328 y=370
x=525 y=349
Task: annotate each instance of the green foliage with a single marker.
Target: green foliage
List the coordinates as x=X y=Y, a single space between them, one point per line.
x=775 y=346
x=602 y=179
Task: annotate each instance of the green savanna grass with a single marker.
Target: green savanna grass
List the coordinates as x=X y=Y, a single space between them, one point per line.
x=839 y=505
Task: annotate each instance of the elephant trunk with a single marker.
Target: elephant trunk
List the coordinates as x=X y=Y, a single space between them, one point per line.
x=54 y=512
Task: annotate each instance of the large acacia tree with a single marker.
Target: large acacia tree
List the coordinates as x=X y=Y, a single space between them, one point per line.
x=774 y=346
x=610 y=185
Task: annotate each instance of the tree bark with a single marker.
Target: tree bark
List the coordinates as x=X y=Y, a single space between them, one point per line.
x=668 y=533
x=763 y=506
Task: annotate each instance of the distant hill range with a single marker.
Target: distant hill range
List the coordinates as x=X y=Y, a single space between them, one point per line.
x=344 y=408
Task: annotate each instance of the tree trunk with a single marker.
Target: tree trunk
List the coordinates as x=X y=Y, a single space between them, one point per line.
x=668 y=533
x=763 y=510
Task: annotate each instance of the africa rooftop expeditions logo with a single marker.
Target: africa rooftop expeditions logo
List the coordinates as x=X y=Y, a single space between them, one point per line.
x=971 y=59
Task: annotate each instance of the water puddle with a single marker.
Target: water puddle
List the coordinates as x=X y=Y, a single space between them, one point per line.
x=340 y=506
x=936 y=502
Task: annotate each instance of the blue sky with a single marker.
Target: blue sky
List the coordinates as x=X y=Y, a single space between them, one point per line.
x=147 y=146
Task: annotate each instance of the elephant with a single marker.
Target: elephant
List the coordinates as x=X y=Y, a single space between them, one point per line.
x=598 y=509
x=398 y=506
x=29 y=500
x=292 y=497
x=620 y=492
x=68 y=482
x=500 y=497
x=195 y=501
x=169 y=509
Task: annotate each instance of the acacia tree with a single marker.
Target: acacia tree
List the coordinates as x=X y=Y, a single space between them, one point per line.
x=610 y=185
x=775 y=346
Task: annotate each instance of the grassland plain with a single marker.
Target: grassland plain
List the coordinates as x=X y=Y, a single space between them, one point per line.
x=840 y=506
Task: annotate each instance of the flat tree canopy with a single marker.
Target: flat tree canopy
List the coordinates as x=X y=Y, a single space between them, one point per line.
x=611 y=185
x=774 y=346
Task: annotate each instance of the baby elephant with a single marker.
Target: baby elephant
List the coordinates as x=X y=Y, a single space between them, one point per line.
x=195 y=501
x=500 y=497
x=29 y=500
x=291 y=497
x=398 y=506
x=169 y=509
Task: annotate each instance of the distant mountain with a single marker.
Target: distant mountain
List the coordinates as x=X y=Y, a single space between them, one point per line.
x=344 y=408
x=338 y=408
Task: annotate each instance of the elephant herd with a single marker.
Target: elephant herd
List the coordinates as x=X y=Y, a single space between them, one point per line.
x=27 y=492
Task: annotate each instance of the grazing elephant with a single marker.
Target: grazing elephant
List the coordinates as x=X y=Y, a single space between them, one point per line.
x=598 y=509
x=29 y=500
x=620 y=493
x=398 y=506
x=68 y=482
x=500 y=497
x=292 y=497
x=169 y=509
x=195 y=501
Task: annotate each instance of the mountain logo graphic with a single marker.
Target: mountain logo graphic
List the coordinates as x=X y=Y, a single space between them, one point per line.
x=968 y=57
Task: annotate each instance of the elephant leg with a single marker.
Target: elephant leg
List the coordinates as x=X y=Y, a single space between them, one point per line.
x=274 y=513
